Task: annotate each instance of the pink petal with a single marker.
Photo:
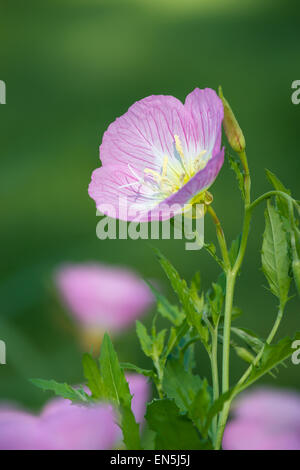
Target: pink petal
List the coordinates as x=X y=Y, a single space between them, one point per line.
x=98 y=295
x=248 y=435
x=207 y=113
x=145 y=134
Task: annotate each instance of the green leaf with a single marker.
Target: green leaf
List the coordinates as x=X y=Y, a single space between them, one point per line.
x=166 y=309
x=174 y=431
x=117 y=390
x=199 y=408
x=234 y=249
x=130 y=429
x=92 y=375
x=138 y=370
x=180 y=385
x=215 y=298
x=282 y=204
x=235 y=166
x=158 y=343
x=144 y=338
x=185 y=296
x=250 y=338
x=274 y=354
x=217 y=407
x=62 y=390
x=275 y=259
x=189 y=392
x=176 y=334
x=115 y=385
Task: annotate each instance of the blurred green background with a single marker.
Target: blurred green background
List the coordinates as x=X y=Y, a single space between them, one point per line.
x=71 y=67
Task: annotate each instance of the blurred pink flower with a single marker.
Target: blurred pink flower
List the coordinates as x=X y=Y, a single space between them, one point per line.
x=101 y=296
x=63 y=426
x=159 y=154
x=265 y=419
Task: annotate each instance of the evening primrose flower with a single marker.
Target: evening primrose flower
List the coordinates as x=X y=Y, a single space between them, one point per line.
x=65 y=426
x=265 y=419
x=102 y=297
x=160 y=156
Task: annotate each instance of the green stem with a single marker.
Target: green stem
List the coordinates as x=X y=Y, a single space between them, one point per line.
x=270 y=194
x=230 y=283
x=215 y=377
x=231 y=275
x=239 y=387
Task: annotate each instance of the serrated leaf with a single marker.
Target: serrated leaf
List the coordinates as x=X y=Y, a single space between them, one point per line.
x=166 y=309
x=174 y=431
x=189 y=392
x=282 y=204
x=138 y=370
x=234 y=165
x=62 y=390
x=180 y=385
x=117 y=390
x=115 y=385
x=92 y=375
x=184 y=294
x=274 y=354
x=275 y=259
x=144 y=339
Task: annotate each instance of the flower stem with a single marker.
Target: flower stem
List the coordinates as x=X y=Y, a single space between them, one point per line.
x=231 y=275
x=215 y=376
x=270 y=194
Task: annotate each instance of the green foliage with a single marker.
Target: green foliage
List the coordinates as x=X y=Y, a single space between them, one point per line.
x=250 y=338
x=138 y=370
x=174 y=431
x=234 y=249
x=107 y=382
x=235 y=166
x=93 y=376
x=275 y=257
x=166 y=309
x=273 y=355
x=192 y=304
x=282 y=204
x=62 y=390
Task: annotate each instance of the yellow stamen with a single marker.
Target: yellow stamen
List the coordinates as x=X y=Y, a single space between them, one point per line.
x=178 y=146
x=165 y=166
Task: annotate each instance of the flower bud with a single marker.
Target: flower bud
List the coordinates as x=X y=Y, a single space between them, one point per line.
x=244 y=354
x=232 y=129
x=296 y=273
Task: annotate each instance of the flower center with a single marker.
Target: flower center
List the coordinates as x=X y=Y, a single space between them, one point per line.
x=176 y=172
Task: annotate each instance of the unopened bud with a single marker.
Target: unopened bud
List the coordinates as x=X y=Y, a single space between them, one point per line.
x=244 y=354
x=232 y=129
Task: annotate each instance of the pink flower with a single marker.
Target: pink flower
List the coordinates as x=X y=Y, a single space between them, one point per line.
x=101 y=296
x=160 y=153
x=265 y=419
x=63 y=426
